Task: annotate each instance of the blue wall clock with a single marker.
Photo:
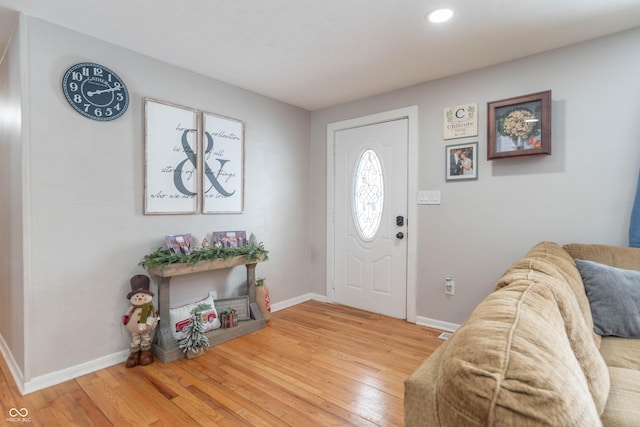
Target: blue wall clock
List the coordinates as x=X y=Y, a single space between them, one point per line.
x=95 y=91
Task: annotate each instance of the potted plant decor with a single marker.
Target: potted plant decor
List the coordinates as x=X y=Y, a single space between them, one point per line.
x=229 y=318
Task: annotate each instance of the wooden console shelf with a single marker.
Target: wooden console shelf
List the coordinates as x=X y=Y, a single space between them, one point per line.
x=164 y=346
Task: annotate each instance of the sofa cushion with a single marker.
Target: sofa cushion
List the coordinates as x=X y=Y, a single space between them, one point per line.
x=614 y=297
x=524 y=357
x=621 y=352
x=621 y=257
x=623 y=407
x=550 y=259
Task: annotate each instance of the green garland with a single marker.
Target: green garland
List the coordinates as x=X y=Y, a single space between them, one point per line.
x=163 y=256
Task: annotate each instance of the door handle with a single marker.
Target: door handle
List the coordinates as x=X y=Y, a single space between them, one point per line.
x=400 y=235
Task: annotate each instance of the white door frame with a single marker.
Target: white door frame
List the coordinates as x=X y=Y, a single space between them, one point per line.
x=410 y=113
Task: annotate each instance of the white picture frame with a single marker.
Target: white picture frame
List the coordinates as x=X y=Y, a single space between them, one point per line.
x=461 y=162
x=223 y=164
x=171 y=139
x=460 y=121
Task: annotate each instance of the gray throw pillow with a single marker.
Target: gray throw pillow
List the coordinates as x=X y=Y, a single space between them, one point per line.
x=614 y=298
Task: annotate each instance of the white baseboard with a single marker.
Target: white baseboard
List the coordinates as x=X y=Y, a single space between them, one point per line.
x=436 y=324
x=422 y=321
x=72 y=372
x=12 y=365
x=76 y=371
x=297 y=300
x=58 y=377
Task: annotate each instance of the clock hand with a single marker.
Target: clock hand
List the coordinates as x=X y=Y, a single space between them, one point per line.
x=98 y=92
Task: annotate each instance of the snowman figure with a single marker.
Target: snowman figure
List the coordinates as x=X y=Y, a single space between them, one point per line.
x=141 y=318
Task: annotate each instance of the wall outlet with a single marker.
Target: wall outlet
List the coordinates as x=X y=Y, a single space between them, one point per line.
x=449 y=286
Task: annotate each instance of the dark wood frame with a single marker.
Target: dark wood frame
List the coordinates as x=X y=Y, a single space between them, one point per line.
x=497 y=110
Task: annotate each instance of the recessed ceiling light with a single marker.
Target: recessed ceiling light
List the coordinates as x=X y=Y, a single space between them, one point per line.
x=440 y=15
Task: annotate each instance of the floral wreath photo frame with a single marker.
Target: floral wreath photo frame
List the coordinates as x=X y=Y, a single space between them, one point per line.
x=519 y=126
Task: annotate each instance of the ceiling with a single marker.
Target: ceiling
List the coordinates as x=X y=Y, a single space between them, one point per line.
x=319 y=53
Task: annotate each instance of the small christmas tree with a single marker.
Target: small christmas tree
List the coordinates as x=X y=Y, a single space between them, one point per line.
x=195 y=341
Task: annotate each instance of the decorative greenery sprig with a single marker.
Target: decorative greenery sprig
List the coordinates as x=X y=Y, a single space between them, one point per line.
x=163 y=256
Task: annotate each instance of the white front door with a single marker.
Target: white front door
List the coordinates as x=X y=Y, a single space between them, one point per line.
x=371 y=176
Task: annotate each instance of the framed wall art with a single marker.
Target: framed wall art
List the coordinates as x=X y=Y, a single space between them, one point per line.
x=223 y=165
x=460 y=121
x=461 y=161
x=194 y=161
x=171 y=159
x=519 y=126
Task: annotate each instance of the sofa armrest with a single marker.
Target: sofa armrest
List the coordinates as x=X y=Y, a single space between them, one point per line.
x=420 y=392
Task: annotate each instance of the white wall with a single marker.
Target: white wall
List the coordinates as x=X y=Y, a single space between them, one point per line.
x=583 y=192
x=12 y=178
x=79 y=186
x=87 y=229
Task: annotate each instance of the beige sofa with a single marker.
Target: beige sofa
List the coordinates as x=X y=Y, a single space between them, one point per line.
x=528 y=355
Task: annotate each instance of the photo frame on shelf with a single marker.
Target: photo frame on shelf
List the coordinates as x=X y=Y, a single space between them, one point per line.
x=171 y=135
x=229 y=239
x=461 y=161
x=223 y=164
x=519 y=126
x=179 y=243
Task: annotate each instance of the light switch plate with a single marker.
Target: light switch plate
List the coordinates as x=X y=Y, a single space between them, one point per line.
x=429 y=197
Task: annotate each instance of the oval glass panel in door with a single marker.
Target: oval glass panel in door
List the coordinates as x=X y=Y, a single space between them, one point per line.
x=368 y=194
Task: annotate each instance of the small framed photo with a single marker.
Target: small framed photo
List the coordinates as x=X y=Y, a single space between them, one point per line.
x=179 y=243
x=519 y=126
x=461 y=161
x=229 y=239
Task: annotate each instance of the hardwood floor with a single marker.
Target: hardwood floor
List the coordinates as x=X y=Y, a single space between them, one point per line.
x=315 y=364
